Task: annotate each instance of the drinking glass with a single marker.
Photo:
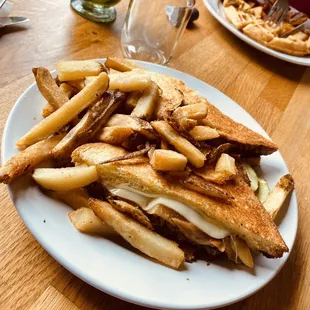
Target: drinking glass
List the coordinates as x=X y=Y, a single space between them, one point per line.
x=153 y=28
x=101 y=11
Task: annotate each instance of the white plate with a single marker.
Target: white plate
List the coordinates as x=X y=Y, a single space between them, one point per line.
x=120 y=271
x=216 y=9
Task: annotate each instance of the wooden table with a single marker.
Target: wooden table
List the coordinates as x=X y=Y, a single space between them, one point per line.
x=274 y=92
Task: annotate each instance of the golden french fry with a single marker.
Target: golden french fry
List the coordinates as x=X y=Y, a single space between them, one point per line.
x=129 y=81
x=26 y=160
x=263 y=190
x=140 y=237
x=89 y=79
x=195 y=157
x=47 y=110
x=121 y=65
x=243 y=251
x=66 y=113
x=166 y=160
x=132 y=100
x=72 y=70
x=136 y=124
x=77 y=84
x=208 y=173
x=195 y=111
x=75 y=198
x=62 y=179
x=202 y=133
x=251 y=175
x=226 y=164
x=114 y=135
x=85 y=220
x=277 y=196
x=147 y=102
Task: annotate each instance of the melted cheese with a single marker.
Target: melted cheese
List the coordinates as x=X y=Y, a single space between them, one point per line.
x=148 y=202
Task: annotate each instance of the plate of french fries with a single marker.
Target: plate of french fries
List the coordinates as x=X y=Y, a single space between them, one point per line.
x=289 y=49
x=130 y=175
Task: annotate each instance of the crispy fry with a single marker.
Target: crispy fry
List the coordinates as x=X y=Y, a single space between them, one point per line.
x=226 y=164
x=26 y=160
x=129 y=81
x=114 y=135
x=251 y=175
x=202 y=133
x=242 y=251
x=85 y=220
x=202 y=186
x=195 y=111
x=136 y=124
x=90 y=124
x=147 y=102
x=195 y=157
x=208 y=173
x=166 y=160
x=263 y=190
x=140 y=237
x=277 y=196
x=72 y=70
x=66 y=113
x=135 y=212
x=132 y=100
x=54 y=95
x=75 y=198
x=121 y=65
x=164 y=145
x=60 y=179
x=47 y=110
x=77 y=84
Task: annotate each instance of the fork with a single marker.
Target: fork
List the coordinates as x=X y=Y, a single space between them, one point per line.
x=302 y=27
x=278 y=12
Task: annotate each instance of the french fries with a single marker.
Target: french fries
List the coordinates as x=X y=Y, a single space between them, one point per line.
x=78 y=84
x=136 y=124
x=277 y=196
x=146 y=103
x=135 y=212
x=166 y=160
x=263 y=190
x=63 y=179
x=129 y=81
x=132 y=100
x=72 y=70
x=121 y=65
x=194 y=111
x=114 y=135
x=89 y=79
x=226 y=164
x=75 y=198
x=66 y=113
x=251 y=175
x=92 y=121
x=140 y=237
x=202 y=133
x=85 y=220
x=208 y=173
x=26 y=160
x=242 y=251
x=194 y=155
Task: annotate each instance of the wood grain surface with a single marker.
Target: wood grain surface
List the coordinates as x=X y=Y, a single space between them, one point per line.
x=275 y=93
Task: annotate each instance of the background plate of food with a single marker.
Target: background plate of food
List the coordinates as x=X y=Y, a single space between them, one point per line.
x=247 y=25
x=160 y=279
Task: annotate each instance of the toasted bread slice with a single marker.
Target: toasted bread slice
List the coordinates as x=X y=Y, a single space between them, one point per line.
x=245 y=217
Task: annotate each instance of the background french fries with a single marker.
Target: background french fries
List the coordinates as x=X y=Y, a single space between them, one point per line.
x=146 y=103
x=85 y=220
x=62 y=179
x=26 y=160
x=226 y=164
x=66 y=113
x=193 y=154
x=129 y=81
x=114 y=135
x=140 y=237
x=166 y=160
x=75 y=198
x=71 y=70
x=202 y=133
x=277 y=196
x=195 y=111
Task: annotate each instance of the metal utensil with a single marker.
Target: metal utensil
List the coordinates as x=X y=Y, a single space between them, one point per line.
x=302 y=27
x=278 y=12
x=12 y=20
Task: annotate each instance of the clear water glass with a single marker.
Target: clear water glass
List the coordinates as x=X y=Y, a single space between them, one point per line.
x=152 y=28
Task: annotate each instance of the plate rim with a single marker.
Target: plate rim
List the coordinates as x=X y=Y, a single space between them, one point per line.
x=104 y=287
x=302 y=61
